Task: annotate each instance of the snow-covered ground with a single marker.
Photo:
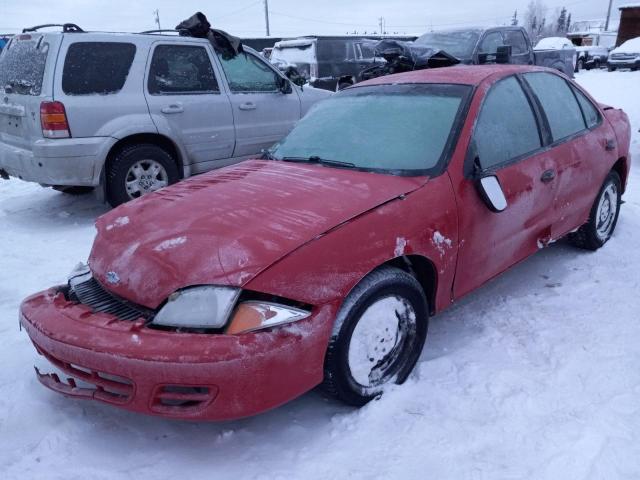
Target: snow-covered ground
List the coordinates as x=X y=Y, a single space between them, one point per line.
x=535 y=376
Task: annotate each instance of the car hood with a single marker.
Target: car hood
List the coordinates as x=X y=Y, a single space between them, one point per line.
x=227 y=226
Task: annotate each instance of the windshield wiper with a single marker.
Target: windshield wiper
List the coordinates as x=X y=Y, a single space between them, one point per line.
x=320 y=160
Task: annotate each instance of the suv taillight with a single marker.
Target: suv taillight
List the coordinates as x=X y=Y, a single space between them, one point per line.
x=53 y=119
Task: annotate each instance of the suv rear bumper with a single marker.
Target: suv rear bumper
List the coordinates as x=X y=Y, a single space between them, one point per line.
x=72 y=161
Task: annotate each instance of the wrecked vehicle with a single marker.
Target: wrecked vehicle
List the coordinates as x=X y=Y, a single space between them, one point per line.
x=234 y=292
x=328 y=62
x=471 y=46
x=130 y=113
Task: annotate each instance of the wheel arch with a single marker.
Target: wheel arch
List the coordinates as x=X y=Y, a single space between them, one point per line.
x=153 y=138
x=622 y=169
x=423 y=270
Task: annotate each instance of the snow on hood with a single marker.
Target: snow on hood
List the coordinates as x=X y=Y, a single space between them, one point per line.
x=630 y=46
x=227 y=226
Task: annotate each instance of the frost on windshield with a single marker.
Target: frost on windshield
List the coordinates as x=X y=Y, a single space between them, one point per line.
x=22 y=65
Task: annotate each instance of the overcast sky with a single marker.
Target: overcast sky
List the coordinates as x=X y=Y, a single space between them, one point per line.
x=287 y=17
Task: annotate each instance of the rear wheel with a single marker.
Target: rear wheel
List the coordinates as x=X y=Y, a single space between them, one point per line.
x=138 y=170
x=603 y=217
x=378 y=336
x=611 y=68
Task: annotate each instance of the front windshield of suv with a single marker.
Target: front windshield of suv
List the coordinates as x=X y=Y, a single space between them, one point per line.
x=459 y=43
x=401 y=129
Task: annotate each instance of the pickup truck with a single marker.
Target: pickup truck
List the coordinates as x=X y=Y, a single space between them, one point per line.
x=470 y=46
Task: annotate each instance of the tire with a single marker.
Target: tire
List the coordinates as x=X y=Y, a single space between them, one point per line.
x=579 y=65
x=343 y=85
x=143 y=160
x=71 y=190
x=610 y=68
x=602 y=219
x=359 y=335
x=596 y=64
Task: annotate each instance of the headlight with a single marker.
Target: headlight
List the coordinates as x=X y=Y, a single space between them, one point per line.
x=198 y=307
x=256 y=315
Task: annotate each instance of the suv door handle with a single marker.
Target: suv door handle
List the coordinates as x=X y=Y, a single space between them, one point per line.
x=548 y=176
x=247 y=106
x=173 y=108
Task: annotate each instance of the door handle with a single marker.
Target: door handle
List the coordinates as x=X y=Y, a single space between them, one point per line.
x=173 y=108
x=609 y=145
x=548 y=176
x=247 y=106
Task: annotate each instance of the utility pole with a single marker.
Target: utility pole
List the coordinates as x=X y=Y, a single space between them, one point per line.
x=381 y=23
x=606 y=24
x=156 y=12
x=266 y=16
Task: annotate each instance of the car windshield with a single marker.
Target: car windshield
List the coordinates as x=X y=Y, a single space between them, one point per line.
x=459 y=43
x=401 y=129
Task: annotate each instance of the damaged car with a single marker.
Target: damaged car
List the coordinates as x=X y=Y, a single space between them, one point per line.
x=234 y=292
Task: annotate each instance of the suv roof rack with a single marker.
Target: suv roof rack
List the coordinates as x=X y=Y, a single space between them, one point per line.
x=172 y=30
x=66 y=27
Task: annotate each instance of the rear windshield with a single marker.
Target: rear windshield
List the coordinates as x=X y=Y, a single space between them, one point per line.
x=96 y=67
x=288 y=55
x=459 y=43
x=22 y=65
x=402 y=129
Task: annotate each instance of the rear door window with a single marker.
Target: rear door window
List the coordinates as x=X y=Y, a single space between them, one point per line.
x=591 y=114
x=22 y=64
x=559 y=104
x=506 y=127
x=181 y=70
x=96 y=67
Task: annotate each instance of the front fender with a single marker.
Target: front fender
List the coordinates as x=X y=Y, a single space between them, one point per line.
x=326 y=269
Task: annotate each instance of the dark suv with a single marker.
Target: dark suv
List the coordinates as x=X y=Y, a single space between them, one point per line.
x=328 y=62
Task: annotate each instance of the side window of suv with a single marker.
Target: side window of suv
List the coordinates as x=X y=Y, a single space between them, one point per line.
x=96 y=67
x=245 y=73
x=506 y=127
x=516 y=39
x=558 y=102
x=181 y=70
x=491 y=42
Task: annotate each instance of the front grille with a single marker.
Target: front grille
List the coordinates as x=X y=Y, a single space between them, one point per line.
x=622 y=56
x=94 y=295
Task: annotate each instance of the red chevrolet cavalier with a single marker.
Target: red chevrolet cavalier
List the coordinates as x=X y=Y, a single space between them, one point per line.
x=233 y=292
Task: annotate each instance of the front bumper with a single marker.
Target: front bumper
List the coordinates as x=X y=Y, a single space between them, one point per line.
x=624 y=63
x=69 y=161
x=178 y=375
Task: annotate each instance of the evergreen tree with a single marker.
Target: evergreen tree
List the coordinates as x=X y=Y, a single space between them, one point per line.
x=562 y=21
x=514 y=19
x=568 y=24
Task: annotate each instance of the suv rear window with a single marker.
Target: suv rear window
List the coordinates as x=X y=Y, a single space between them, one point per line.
x=22 y=65
x=96 y=67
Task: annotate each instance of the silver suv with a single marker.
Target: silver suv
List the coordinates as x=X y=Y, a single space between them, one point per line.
x=132 y=113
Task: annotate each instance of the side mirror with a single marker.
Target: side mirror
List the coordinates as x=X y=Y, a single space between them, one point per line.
x=503 y=54
x=492 y=193
x=294 y=75
x=285 y=86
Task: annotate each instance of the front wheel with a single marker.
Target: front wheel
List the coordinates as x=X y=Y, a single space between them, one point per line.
x=137 y=170
x=377 y=337
x=603 y=217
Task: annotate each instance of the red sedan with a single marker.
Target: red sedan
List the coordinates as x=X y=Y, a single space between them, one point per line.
x=233 y=292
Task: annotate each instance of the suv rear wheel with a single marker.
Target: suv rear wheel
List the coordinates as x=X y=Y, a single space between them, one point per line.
x=137 y=170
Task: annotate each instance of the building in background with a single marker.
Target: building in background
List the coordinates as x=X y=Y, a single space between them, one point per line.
x=629 y=22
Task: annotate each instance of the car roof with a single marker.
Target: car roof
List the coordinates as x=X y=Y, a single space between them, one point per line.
x=459 y=74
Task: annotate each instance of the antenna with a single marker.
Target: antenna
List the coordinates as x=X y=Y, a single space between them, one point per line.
x=266 y=16
x=156 y=13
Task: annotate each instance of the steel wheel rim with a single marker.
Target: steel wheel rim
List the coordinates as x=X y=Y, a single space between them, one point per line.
x=145 y=176
x=379 y=340
x=606 y=211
